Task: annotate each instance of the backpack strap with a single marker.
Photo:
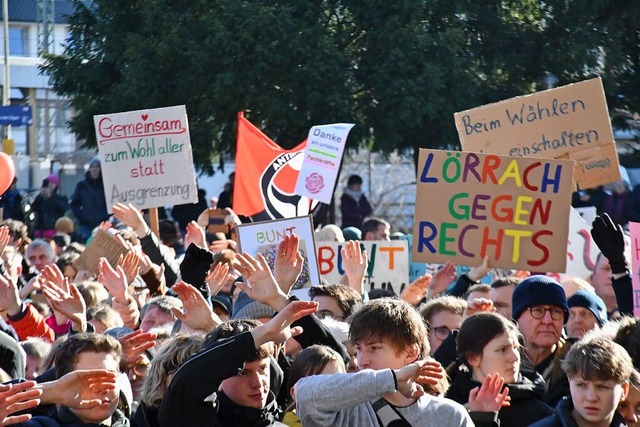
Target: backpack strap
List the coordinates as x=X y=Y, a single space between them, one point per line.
x=388 y=416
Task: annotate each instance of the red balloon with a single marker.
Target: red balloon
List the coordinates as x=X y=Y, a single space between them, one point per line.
x=7 y=172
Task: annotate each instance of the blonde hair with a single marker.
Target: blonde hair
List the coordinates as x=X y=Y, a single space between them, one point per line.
x=171 y=355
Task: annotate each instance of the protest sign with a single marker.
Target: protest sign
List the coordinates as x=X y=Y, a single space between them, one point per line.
x=146 y=157
x=322 y=158
x=569 y=122
x=515 y=210
x=388 y=263
x=264 y=237
x=634 y=230
x=588 y=214
x=102 y=244
x=581 y=251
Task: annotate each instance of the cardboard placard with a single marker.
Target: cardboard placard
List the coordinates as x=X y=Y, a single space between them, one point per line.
x=264 y=237
x=212 y=220
x=570 y=122
x=322 y=158
x=634 y=229
x=102 y=244
x=388 y=263
x=146 y=157
x=515 y=210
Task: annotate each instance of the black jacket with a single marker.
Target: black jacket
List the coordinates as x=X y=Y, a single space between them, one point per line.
x=88 y=202
x=48 y=210
x=563 y=418
x=63 y=417
x=184 y=403
x=527 y=398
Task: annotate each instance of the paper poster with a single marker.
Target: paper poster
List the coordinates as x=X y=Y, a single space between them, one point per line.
x=322 y=158
x=388 y=264
x=570 y=122
x=102 y=244
x=146 y=157
x=634 y=230
x=515 y=210
x=582 y=252
x=588 y=214
x=264 y=237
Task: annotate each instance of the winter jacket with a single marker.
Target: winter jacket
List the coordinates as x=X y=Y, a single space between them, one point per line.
x=354 y=209
x=527 y=398
x=48 y=210
x=563 y=418
x=184 y=402
x=30 y=323
x=88 y=202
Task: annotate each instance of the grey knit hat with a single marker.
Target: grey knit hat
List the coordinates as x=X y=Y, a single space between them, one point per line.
x=246 y=308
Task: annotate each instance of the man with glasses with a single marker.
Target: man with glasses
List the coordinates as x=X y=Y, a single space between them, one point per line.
x=443 y=316
x=540 y=308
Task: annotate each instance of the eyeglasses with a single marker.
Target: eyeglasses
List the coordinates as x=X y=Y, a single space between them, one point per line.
x=141 y=368
x=442 y=332
x=538 y=312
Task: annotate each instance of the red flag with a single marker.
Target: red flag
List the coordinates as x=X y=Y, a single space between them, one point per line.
x=266 y=175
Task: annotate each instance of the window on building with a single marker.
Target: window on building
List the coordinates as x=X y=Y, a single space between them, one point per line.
x=17 y=41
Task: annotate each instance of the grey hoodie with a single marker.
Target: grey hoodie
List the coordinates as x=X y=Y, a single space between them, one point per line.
x=346 y=400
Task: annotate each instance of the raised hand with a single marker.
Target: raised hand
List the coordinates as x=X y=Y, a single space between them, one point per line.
x=4 y=238
x=441 y=279
x=355 y=263
x=411 y=376
x=134 y=344
x=16 y=398
x=489 y=397
x=197 y=313
x=9 y=299
x=477 y=273
x=196 y=235
x=217 y=277
x=69 y=304
x=262 y=286
x=289 y=263
x=278 y=328
x=416 y=290
x=81 y=389
x=131 y=217
x=130 y=265
x=114 y=280
x=477 y=305
x=610 y=240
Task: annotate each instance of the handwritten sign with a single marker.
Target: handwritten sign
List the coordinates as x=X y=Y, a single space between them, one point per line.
x=264 y=237
x=102 y=244
x=322 y=158
x=146 y=157
x=569 y=122
x=388 y=263
x=581 y=251
x=634 y=229
x=515 y=210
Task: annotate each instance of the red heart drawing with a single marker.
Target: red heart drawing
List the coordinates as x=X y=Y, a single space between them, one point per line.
x=145 y=117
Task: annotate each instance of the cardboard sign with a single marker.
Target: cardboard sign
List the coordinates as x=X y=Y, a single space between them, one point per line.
x=322 y=158
x=264 y=237
x=102 y=244
x=146 y=157
x=569 y=122
x=388 y=263
x=212 y=220
x=515 y=210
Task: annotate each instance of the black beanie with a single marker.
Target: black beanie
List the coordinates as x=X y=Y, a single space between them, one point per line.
x=538 y=290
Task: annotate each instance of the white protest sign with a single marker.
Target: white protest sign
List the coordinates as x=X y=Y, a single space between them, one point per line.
x=322 y=158
x=388 y=263
x=588 y=214
x=264 y=237
x=146 y=157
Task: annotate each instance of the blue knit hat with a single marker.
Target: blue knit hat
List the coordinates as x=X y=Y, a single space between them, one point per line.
x=590 y=301
x=538 y=290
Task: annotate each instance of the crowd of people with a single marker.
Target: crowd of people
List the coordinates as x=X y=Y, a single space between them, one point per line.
x=184 y=330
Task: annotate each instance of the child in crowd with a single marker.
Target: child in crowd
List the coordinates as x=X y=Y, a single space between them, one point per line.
x=390 y=337
x=599 y=372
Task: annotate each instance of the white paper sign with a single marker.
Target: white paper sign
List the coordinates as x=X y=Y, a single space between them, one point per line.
x=264 y=237
x=588 y=214
x=322 y=158
x=581 y=251
x=146 y=157
x=388 y=264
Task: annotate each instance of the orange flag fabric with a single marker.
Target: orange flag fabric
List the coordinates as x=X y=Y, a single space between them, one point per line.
x=266 y=175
